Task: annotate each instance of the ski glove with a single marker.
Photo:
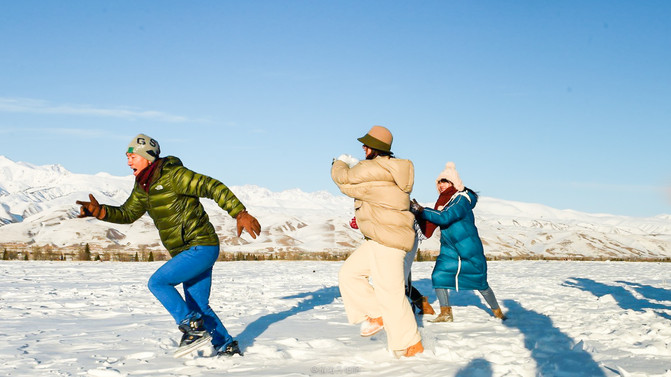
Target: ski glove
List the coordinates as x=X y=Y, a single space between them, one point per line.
x=92 y=208
x=248 y=223
x=415 y=207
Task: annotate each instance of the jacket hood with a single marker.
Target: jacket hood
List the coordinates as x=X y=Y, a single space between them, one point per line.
x=472 y=198
x=171 y=161
x=402 y=171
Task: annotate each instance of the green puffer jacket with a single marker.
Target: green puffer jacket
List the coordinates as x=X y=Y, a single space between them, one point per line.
x=174 y=205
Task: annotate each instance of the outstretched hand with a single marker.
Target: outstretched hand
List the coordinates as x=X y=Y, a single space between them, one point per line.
x=248 y=223
x=92 y=208
x=415 y=207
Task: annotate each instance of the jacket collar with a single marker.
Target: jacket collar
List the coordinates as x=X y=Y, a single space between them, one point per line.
x=149 y=174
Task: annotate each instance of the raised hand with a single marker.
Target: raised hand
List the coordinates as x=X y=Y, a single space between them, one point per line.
x=92 y=208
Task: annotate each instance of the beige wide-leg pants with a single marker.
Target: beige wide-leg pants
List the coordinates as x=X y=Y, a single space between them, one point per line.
x=386 y=298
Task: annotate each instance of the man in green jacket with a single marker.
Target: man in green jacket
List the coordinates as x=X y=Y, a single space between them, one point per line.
x=170 y=193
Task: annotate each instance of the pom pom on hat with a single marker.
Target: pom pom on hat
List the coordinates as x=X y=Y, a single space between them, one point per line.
x=450 y=173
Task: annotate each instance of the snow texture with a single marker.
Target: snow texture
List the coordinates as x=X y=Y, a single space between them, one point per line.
x=565 y=319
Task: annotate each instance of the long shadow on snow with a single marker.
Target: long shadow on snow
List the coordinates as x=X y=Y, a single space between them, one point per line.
x=648 y=291
x=624 y=298
x=323 y=296
x=476 y=368
x=425 y=287
x=555 y=353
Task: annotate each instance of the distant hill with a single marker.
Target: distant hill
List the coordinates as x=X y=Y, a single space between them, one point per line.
x=37 y=208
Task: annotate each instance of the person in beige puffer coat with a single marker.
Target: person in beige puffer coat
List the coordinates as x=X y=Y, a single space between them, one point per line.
x=380 y=186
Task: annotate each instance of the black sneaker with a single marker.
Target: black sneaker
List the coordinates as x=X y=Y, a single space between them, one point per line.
x=230 y=349
x=195 y=337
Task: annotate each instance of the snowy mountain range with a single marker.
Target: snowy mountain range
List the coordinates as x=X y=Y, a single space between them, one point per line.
x=37 y=208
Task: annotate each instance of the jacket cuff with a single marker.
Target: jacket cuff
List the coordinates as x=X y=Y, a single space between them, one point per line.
x=236 y=211
x=103 y=207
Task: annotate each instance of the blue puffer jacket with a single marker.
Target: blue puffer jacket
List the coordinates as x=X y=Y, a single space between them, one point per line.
x=461 y=263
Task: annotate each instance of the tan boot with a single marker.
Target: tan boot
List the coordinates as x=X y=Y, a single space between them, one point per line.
x=371 y=326
x=426 y=307
x=499 y=314
x=414 y=349
x=410 y=351
x=445 y=315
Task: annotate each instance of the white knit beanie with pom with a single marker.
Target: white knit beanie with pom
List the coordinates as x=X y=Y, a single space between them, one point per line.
x=450 y=173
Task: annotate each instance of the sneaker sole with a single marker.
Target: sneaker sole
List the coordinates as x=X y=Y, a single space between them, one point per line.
x=198 y=344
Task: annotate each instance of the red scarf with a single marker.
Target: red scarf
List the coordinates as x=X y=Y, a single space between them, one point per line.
x=145 y=177
x=445 y=196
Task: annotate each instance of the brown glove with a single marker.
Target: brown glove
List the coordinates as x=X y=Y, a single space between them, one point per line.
x=92 y=208
x=248 y=223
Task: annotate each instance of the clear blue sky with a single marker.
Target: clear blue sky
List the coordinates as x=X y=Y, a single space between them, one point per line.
x=563 y=103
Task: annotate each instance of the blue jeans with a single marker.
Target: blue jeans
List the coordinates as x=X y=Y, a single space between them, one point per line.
x=193 y=269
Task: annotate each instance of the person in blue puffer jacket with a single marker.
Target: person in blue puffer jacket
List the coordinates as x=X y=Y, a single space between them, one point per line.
x=461 y=263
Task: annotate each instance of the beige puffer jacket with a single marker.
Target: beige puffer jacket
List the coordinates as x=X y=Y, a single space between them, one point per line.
x=381 y=188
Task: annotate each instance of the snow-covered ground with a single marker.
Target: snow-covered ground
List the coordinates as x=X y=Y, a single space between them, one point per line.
x=565 y=319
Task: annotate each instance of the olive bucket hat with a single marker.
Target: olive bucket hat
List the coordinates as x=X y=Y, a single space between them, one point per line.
x=378 y=138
